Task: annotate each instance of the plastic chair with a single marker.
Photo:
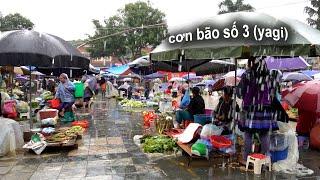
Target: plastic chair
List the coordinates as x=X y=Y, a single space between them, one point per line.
x=258 y=160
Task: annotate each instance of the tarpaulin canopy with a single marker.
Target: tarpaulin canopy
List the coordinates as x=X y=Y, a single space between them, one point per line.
x=286 y=64
x=119 y=70
x=297 y=38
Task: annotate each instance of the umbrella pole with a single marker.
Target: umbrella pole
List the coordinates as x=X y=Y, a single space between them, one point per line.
x=30 y=96
x=235 y=96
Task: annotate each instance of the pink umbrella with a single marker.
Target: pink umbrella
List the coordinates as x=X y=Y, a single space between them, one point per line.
x=304 y=95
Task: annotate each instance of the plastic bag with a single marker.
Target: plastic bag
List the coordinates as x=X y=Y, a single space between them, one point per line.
x=49 y=121
x=22 y=107
x=209 y=129
x=9 y=107
x=200 y=149
x=185 y=100
x=11 y=136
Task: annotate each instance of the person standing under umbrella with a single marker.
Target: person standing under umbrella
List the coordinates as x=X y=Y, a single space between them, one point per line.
x=65 y=93
x=257 y=111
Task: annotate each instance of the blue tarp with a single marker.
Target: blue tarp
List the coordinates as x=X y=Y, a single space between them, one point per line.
x=118 y=70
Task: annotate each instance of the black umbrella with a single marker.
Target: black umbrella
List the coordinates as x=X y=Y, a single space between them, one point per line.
x=31 y=48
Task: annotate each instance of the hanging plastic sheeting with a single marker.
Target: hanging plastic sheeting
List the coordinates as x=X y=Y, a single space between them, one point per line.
x=290 y=165
x=11 y=136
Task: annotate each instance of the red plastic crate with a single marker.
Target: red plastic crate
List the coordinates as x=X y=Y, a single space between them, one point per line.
x=48 y=113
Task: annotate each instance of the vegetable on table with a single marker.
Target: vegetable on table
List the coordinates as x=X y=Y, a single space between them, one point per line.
x=158 y=144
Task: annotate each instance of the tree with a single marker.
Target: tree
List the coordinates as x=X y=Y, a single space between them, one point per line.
x=313 y=11
x=108 y=46
x=136 y=26
x=14 y=21
x=228 y=6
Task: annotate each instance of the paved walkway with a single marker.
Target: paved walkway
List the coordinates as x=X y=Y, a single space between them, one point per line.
x=107 y=151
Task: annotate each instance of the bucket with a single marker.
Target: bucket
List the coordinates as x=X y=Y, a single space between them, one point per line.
x=202 y=119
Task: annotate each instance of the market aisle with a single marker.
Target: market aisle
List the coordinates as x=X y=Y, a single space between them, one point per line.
x=106 y=151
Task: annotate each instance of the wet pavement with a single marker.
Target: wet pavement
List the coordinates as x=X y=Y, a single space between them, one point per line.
x=107 y=151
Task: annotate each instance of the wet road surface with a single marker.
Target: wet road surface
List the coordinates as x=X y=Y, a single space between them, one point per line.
x=107 y=151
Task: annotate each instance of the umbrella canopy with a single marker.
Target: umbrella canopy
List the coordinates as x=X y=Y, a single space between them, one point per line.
x=232 y=73
x=304 y=95
x=140 y=62
x=177 y=79
x=213 y=67
x=225 y=82
x=295 y=76
x=286 y=64
x=280 y=37
x=37 y=73
x=154 y=75
x=192 y=76
x=21 y=78
x=28 y=47
x=310 y=72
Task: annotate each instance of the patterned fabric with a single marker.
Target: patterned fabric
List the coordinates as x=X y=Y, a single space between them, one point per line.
x=253 y=120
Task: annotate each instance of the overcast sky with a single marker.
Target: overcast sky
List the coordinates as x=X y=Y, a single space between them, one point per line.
x=71 y=19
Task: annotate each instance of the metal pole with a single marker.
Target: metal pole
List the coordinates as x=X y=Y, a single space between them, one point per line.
x=235 y=95
x=30 y=96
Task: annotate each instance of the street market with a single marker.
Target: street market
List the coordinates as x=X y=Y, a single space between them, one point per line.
x=232 y=96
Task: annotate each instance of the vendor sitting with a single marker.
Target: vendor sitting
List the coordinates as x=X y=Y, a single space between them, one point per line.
x=196 y=106
x=224 y=111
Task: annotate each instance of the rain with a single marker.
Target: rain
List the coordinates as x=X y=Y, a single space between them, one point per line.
x=158 y=90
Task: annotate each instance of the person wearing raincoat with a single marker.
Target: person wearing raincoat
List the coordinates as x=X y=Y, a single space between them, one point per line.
x=90 y=84
x=257 y=111
x=65 y=93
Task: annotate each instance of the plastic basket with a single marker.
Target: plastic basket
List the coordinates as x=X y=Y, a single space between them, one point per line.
x=202 y=119
x=279 y=155
x=220 y=142
x=48 y=113
x=82 y=123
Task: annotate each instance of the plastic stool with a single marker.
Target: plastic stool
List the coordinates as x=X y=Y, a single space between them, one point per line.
x=27 y=115
x=258 y=160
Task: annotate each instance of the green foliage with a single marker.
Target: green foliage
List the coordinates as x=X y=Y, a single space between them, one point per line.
x=313 y=11
x=14 y=22
x=158 y=144
x=128 y=31
x=228 y=6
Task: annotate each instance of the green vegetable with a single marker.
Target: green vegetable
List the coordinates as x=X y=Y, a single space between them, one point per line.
x=158 y=144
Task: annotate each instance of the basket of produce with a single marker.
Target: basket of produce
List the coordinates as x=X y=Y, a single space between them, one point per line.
x=220 y=142
x=82 y=123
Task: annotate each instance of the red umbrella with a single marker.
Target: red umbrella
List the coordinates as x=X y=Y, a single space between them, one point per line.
x=304 y=96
